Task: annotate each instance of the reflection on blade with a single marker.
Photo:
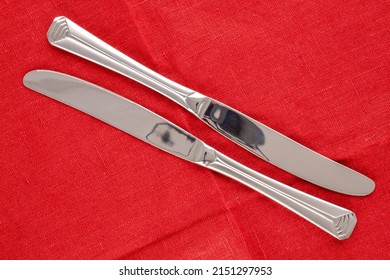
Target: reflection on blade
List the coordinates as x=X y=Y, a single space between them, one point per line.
x=250 y=134
x=173 y=139
x=283 y=151
x=153 y=129
x=116 y=111
x=234 y=126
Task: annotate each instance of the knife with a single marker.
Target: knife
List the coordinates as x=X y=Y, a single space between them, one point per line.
x=157 y=131
x=243 y=130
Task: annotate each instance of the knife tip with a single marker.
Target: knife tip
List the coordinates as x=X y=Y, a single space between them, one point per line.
x=370 y=186
x=365 y=187
x=32 y=78
x=28 y=78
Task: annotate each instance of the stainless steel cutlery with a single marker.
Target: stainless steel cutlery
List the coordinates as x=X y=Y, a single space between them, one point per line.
x=159 y=132
x=250 y=134
x=243 y=130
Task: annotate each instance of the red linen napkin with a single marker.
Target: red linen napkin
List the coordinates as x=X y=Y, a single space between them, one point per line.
x=73 y=187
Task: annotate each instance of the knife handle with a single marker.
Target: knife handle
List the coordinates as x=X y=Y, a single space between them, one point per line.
x=67 y=35
x=333 y=219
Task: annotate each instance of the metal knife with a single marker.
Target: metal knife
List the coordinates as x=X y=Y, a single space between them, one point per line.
x=157 y=131
x=243 y=130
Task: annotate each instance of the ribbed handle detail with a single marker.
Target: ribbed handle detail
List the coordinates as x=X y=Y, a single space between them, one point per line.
x=337 y=221
x=345 y=224
x=67 y=35
x=58 y=30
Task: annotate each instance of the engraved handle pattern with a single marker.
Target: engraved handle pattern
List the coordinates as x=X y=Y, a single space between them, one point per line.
x=333 y=219
x=67 y=35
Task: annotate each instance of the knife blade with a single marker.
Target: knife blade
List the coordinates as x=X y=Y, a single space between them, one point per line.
x=145 y=125
x=250 y=134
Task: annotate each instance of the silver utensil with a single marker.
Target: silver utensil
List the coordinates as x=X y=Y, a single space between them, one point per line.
x=153 y=129
x=248 y=133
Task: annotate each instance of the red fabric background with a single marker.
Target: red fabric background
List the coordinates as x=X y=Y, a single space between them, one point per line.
x=73 y=187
